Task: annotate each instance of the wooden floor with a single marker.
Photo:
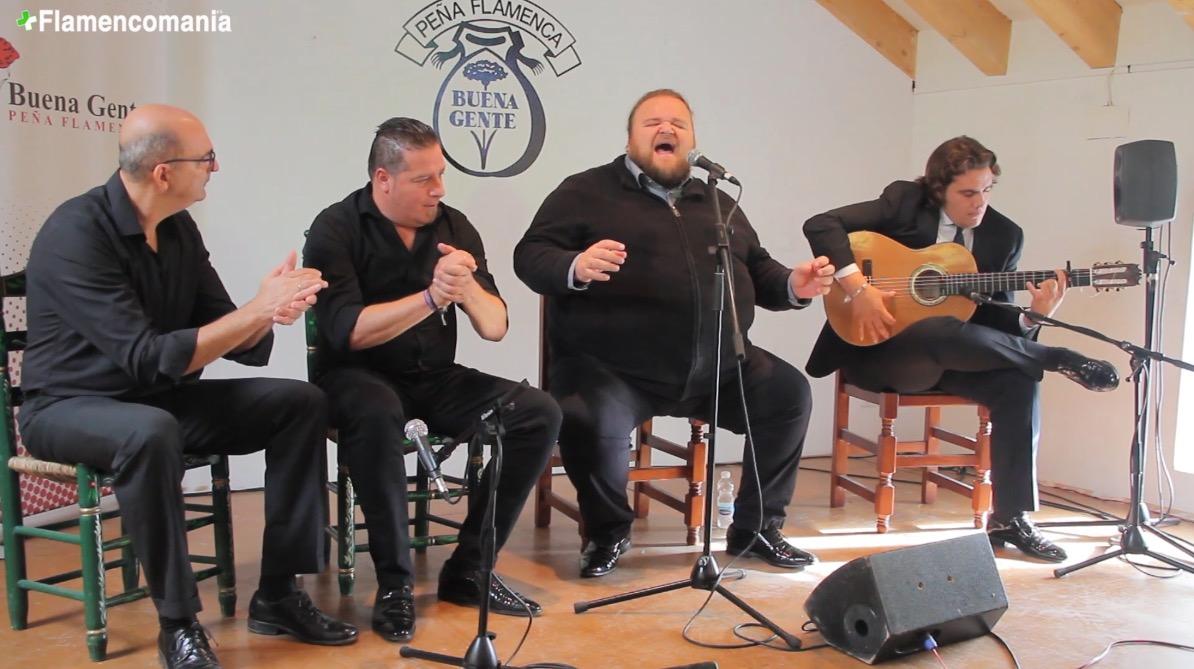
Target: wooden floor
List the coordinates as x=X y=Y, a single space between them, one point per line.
x=1049 y=623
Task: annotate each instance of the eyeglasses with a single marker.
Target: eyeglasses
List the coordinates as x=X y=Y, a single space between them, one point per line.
x=209 y=158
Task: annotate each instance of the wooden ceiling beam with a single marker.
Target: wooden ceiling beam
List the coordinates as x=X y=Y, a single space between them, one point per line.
x=1089 y=27
x=1185 y=8
x=976 y=28
x=881 y=27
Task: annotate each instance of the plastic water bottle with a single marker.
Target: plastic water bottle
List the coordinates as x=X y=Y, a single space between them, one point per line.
x=725 y=501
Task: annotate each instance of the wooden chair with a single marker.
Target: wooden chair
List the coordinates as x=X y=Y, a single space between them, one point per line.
x=644 y=473
x=419 y=492
x=89 y=484
x=892 y=454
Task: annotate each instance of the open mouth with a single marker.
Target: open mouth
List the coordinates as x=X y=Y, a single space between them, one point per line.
x=665 y=149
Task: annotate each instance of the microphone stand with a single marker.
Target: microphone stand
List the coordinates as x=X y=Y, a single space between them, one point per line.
x=706 y=574
x=1132 y=537
x=481 y=653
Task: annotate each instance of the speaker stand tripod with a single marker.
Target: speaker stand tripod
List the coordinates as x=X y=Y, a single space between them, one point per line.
x=1134 y=528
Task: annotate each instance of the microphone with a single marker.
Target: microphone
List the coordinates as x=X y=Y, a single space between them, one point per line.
x=698 y=159
x=416 y=431
x=979 y=297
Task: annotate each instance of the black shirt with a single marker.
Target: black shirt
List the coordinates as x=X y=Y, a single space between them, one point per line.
x=107 y=315
x=365 y=262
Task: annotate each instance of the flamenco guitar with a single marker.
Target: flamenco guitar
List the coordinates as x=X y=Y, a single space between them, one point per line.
x=937 y=281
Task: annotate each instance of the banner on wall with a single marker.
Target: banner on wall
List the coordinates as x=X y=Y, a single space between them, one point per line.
x=489 y=116
x=57 y=123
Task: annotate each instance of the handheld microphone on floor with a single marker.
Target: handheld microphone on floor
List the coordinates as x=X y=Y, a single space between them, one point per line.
x=416 y=431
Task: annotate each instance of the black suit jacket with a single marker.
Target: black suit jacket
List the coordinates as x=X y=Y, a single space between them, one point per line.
x=904 y=214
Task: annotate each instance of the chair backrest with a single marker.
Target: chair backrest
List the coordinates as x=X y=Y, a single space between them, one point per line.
x=12 y=285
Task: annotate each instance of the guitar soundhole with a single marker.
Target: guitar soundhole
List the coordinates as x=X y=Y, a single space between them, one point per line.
x=928 y=286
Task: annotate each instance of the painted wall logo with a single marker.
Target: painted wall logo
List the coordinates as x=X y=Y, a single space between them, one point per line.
x=94 y=113
x=488 y=115
x=8 y=56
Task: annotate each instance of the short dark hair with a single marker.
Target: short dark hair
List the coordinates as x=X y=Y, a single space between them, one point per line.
x=394 y=138
x=139 y=156
x=658 y=92
x=954 y=157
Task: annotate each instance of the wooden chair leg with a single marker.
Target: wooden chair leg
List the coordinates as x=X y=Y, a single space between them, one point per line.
x=422 y=526
x=982 y=497
x=642 y=460
x=14 y=547
x=91 y=542
x=346 y=534
x=928 y=489
x=886 y=463
x=543 y=497
x=130 y=572
x=221 y=503
x=698 y=454
x=841 y=448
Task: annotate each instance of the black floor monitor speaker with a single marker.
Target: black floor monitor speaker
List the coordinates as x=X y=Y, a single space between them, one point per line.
x=882 y=606
x=1145 y=183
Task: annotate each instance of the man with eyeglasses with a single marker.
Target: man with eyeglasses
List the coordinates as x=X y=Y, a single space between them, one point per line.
x=125 y=311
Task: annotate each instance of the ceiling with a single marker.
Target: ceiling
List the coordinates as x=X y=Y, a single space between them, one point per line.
x=981 y=29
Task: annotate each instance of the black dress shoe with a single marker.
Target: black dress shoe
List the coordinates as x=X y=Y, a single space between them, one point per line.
x=1019 y=531
x=1097 y=375
x=186 y=648
x=394 y=614
x=296 y=615
x=599 y=560
x=465 y=588
x=771 y=545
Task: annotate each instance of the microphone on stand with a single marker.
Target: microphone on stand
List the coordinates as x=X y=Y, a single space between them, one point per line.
x=979 y=298
x=416 y=431
x=698 y=159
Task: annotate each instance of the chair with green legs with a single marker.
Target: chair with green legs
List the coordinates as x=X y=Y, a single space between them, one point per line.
x=87 y=530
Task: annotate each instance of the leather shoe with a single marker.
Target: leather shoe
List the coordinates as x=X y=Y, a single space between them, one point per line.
x=394 y=614
x=599 y=560
x=1019 y=531
x=296 y=615
x=770 y=545
x=186 y=648
x=1097 y=375
x=465 y=588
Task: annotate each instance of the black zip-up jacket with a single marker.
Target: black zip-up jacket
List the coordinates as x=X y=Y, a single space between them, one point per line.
x=653 y=321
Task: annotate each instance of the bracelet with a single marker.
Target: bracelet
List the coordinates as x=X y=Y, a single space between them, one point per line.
x=856 y=292
x=428 y=301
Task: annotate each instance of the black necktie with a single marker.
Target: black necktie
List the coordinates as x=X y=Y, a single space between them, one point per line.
x=958 y=238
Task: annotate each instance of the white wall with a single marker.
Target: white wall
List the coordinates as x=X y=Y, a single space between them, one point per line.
x=1057 y=184
x=802 y=110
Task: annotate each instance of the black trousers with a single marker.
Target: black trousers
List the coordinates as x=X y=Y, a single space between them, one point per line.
x=1000 y=370
x=143 y=442
x=601 y=409
x=370 y=412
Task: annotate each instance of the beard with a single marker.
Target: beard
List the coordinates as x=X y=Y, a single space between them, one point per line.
x=668 y=177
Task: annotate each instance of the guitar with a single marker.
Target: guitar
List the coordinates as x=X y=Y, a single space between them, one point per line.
x=937 y=281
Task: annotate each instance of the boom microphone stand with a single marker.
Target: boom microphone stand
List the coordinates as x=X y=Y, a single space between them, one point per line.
x=706 y=574
x=481 y=653
x=1132 y=539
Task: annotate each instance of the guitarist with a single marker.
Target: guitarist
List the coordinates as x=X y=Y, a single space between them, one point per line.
x=993 y=359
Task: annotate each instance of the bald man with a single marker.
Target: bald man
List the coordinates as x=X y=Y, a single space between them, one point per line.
x=125 y=311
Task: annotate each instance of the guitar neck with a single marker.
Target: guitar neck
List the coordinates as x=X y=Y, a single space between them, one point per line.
x=995 y=282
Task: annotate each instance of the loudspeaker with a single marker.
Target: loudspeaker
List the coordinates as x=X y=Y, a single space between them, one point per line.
x=1145 y=183
x=882 y=606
